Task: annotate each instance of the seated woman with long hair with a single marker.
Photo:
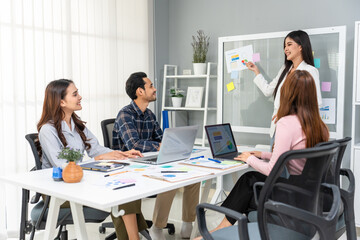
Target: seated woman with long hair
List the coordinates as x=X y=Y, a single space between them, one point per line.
x=299 y=126
x=60 y=127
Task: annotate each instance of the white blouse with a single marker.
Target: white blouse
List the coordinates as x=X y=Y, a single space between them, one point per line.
x=268 y=88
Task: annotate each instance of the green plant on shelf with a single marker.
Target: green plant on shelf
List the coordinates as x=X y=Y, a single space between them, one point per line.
x=200 y=46
x=176 y=92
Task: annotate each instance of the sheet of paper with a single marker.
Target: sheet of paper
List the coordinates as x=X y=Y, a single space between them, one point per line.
x=204 y=162
x=173 y=176
x=328 y=110
x=236 y=58
x=326 y=86
x=230 y=86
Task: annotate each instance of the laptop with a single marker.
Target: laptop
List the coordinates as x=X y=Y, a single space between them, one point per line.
x=177 y=144
x=221 y=141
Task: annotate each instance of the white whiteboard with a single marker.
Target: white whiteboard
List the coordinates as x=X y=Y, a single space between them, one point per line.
x=247 y=109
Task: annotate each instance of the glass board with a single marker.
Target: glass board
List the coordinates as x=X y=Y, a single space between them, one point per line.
x=246 y=107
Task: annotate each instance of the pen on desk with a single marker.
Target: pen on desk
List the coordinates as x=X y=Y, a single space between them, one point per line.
x=173 y=171
x=214 y=160
x=125 y=186
x=196 y=157
x=111 y=174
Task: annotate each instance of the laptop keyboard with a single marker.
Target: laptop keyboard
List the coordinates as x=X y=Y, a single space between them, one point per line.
x=148 y=159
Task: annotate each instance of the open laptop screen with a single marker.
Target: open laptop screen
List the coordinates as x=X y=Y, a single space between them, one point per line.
x=221 y=139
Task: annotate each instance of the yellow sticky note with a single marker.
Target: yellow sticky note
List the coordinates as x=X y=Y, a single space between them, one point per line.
x=230 y=86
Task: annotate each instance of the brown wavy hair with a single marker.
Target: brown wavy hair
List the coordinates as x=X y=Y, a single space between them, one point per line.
x=298 y=97
x=53 y=113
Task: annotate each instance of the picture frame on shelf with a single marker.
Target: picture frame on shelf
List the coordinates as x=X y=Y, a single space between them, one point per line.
x=194 y=97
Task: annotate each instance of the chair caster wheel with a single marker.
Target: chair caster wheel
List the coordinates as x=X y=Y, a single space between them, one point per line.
x=171 y=230
x=102 y=230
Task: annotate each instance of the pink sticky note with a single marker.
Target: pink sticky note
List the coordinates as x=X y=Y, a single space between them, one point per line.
x=256 y=57
x=326 y=86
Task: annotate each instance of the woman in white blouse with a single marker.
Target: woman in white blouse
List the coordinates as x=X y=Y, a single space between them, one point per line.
x=60 y=126
x=298 y=56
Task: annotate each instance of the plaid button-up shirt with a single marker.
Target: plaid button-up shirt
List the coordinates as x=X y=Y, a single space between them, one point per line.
x=134 y=129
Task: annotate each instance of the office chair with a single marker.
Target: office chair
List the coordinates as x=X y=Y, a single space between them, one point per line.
x=347 y=218
x=107 y=127
x=40 y=210
x=287 y=208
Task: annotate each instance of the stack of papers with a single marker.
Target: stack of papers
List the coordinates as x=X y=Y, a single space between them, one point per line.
x=203 y=162
x=176 y=174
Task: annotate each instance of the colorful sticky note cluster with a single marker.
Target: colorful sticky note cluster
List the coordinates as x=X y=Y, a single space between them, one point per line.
x=256 y=57
x=230 y=86
x=326 y=86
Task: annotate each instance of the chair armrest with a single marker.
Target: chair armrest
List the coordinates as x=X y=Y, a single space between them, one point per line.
x=242 y=220
x=35 y=198
x=321 y=222
x=257 y=188
x=349 y=174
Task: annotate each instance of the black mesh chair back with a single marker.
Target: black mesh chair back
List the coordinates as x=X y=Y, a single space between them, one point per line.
x=298 y=191
x=333 y=174
x=33 y=140
x=107 y=127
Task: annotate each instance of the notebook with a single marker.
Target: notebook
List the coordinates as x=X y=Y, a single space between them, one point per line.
x=103 y=166
x=221 y=141
x=177 y=144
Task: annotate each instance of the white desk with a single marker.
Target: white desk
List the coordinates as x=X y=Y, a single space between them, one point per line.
x=89 y=194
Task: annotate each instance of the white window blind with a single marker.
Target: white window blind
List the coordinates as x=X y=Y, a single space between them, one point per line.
x=95 y=43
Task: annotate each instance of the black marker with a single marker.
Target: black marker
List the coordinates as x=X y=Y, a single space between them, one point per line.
x=173 y=171
x=130 y=185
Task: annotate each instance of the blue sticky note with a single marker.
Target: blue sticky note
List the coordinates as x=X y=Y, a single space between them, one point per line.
x=317 y=62
x=234 y=74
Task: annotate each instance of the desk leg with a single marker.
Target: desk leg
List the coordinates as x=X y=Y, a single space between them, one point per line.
x=52 y=217
x=204 y=197
x=79 y=221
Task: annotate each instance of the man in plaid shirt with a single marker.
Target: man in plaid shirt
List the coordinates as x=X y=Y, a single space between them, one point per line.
x=136 y=128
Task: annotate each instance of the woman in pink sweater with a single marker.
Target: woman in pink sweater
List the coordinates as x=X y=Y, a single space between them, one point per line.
x=299 y=126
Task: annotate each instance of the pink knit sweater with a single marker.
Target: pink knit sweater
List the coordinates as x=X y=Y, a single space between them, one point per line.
x=288 y=136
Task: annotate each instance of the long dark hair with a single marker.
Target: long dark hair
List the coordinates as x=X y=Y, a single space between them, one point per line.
x=53 y=113
x=298 y=96
x=301 y=38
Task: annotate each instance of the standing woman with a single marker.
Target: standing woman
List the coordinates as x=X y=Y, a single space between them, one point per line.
x=298 y=56
x=60 y=127
x=299 y=126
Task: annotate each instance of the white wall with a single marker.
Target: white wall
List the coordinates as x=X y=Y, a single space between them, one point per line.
x=97 y=44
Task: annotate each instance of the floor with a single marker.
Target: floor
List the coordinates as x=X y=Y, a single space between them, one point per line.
x=148 y=204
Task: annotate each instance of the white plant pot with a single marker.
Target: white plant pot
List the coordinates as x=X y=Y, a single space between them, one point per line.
x=199 y=68
x=176 y=101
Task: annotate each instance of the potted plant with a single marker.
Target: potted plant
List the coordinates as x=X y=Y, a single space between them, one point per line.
x=200 y=46
x=176 y=96
x=72 y=173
